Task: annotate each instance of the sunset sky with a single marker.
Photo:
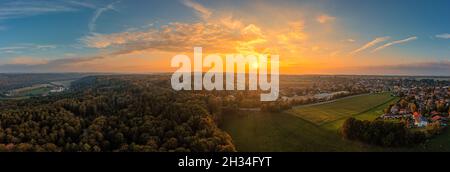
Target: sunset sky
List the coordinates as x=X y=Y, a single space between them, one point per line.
x=407 y=37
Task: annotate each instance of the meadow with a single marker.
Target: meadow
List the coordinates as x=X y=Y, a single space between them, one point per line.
x=325 y=113
x=285 y=131
x=278 y=132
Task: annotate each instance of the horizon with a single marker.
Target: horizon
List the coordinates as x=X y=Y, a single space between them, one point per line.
x=326 y=37
x=169 y=73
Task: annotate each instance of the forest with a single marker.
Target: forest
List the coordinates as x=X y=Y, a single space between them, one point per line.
x=116 y=113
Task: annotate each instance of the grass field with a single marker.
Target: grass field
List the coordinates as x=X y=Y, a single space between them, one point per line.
x=326 y=113
x=279 y=132
x=35 y=92
x=370 y=114
x=276 y=132
x=299 y=130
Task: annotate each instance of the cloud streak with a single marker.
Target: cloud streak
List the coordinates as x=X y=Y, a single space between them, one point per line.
x=201 y=10
x=82 y=4
x=98 y=13
x=20 y=8
x=443 y=36
x=25 y=47
x=395 y=43
x=370 y=44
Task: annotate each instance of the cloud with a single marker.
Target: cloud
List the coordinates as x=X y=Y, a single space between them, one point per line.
x=443 y=36
x=201 y=10
x=178 y=37
x=29 y=47
x=98 y=13
x=20 y=8
x=27 y=61
x=36 y=64
x=324 y=18
x=221 y=34
x=12 y=48
x=25 y=47
x=45 y=47
x=370 y=44
x=82 y=4
x=9 y=52
x=349 y=40
x=217 y=33
x=394 y=43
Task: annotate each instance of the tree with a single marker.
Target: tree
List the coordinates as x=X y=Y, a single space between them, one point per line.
x=114 y=113
x=381 y=133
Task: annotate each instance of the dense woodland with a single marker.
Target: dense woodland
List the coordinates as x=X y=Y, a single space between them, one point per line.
x=115 y=113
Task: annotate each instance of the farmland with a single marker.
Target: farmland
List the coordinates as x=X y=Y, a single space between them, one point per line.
x=299 y=130
x=286 y=131
x=370 y=114
x=258 y=131
x=325 y=113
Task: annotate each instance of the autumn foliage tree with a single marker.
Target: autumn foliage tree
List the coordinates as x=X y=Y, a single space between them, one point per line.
x=114 y=113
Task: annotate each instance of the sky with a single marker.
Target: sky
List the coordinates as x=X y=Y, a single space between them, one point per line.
x=382 y=37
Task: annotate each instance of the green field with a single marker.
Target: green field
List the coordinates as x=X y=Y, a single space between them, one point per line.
x=370 y=114
x=323 y=114
x=277 y=132
x=268 y=132
x=35 y=92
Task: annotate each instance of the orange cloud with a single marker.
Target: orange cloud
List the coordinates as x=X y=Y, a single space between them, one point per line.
x=324 y=18
x=222 y=33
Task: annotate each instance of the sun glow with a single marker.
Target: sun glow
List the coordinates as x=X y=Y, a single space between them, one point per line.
x=255 y=65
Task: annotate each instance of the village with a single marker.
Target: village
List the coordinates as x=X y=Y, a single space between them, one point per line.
x=422 y=103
